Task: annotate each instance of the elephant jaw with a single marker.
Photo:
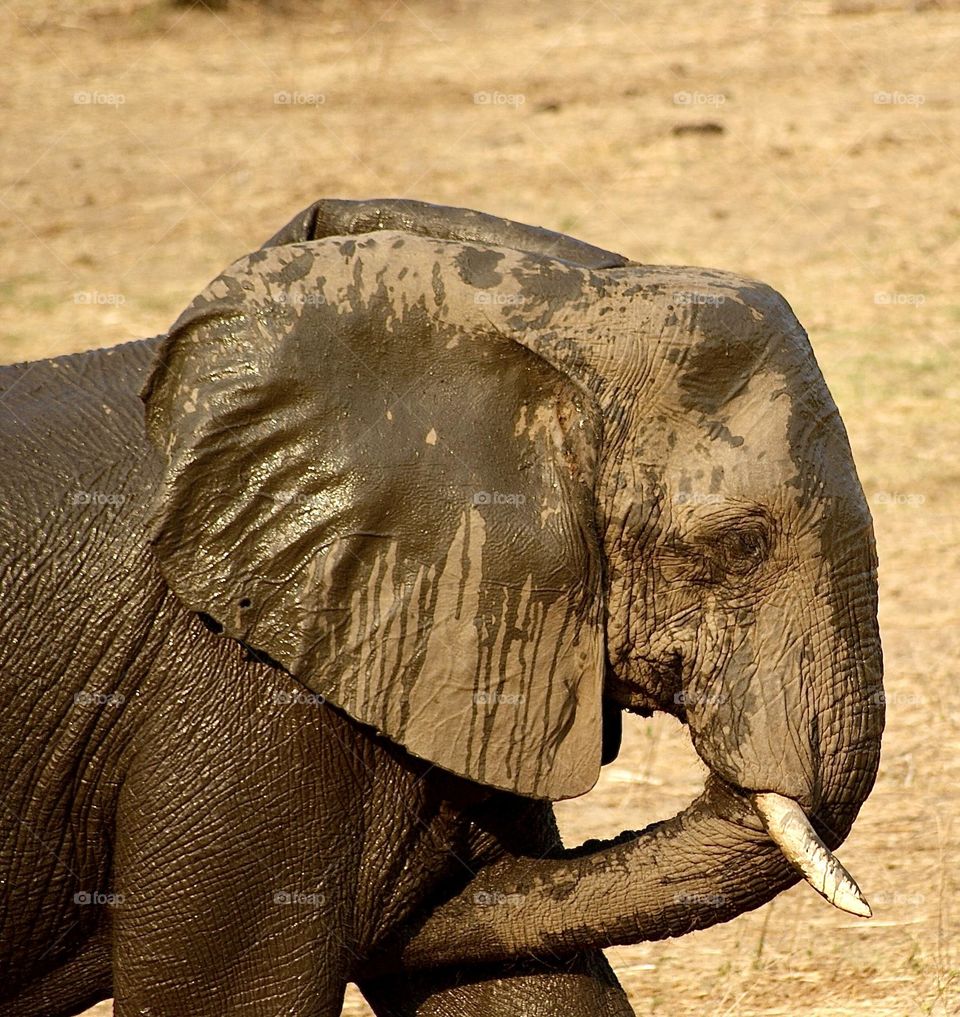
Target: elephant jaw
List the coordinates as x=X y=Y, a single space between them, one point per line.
x=790 y=830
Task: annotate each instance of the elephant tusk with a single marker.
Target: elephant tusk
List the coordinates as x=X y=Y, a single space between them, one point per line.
x=791 y=831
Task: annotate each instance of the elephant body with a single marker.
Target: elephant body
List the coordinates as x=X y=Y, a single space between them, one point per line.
x=185 y=826
x=310 y=607
x=135 y=751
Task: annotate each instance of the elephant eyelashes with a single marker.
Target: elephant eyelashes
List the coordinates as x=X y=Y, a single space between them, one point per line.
x=733 y=551
x=741 y=551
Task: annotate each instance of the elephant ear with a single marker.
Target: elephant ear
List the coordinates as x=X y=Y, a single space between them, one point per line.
x=337 y=217
x=394 y=507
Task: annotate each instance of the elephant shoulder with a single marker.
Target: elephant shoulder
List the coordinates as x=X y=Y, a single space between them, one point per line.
x=74 y=463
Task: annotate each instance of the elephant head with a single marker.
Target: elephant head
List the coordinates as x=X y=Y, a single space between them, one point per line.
x=467 y=480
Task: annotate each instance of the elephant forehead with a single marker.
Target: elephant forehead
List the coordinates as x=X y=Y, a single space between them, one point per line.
x=743 y=449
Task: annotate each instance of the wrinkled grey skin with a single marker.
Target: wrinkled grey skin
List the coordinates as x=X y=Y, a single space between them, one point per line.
x=185 y=827
x=698 y=490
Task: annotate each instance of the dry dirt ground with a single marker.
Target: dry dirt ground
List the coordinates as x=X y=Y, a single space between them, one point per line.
x=146 y=146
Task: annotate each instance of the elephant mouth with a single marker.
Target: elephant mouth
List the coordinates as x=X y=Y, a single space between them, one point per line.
x=788 y=827
x=783 y=818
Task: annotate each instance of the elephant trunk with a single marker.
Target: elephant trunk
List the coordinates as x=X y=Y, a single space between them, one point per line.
x=708 y=864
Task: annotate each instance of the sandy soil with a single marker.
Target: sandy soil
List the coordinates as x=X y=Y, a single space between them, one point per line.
x=147 y=146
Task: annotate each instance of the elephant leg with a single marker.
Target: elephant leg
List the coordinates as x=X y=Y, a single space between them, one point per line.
x=576 y=984
x=220 y=908
x=583 y=985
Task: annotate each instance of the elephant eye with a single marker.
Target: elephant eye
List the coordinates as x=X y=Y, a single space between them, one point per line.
x=741 y=550
x=730 y=547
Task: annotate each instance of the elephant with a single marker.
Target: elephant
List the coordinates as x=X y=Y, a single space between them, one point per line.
x=313 y=605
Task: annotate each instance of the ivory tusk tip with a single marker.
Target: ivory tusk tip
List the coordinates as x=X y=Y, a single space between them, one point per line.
x=791 y=831
x=853 y=903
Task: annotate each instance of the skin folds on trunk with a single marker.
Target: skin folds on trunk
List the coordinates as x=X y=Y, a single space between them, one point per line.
x=707 y=865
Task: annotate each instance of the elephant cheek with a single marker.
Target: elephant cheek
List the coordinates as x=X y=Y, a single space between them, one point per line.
x=749 y=721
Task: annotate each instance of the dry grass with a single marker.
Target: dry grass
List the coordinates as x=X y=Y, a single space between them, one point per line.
x=114 y=215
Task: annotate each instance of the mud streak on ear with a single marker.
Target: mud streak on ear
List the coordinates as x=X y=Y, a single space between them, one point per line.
x=397 y=509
